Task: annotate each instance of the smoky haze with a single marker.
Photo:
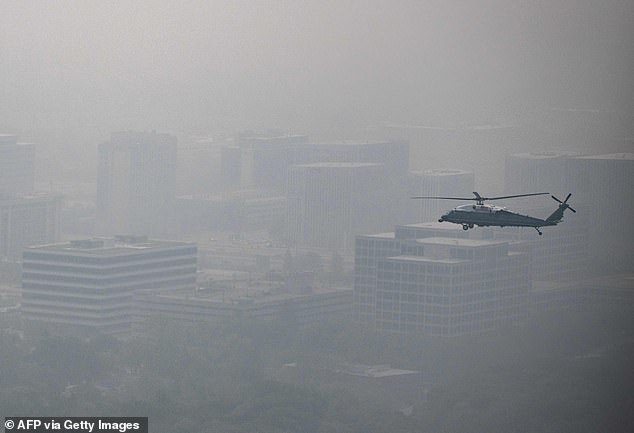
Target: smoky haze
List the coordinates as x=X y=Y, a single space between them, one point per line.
x=227 y=185
x=101 y=66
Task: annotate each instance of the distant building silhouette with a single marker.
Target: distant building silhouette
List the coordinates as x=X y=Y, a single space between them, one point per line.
x=26 y=220
x=266 y=158
x=601 y=191
x=136 y=181
x=329 y=203
x=537 y=172
x=437 y=182
x=233 y=211
x=605 y=183
x=17 y=162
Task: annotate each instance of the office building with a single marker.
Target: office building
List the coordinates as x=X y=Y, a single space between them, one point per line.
x=236 y=211
x=26 y=220
x=136 y=183
x=16 y=166
x=266 y=158
x=235 y=300
x=455 y=287
x=330 y=203
x=88 y=285
x=371 y=249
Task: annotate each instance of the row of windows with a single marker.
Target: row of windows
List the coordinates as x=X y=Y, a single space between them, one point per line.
x=184 y=281
x=108 y=281
x=39 y=266
x=143 y=255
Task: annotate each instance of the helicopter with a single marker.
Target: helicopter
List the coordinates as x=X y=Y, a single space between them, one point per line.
x=484 y=215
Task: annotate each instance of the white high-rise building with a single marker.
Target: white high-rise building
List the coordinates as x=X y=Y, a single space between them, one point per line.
x=455 y=287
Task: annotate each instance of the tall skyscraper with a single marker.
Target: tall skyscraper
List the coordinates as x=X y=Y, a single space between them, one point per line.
x=136 y=184
x=16 y=166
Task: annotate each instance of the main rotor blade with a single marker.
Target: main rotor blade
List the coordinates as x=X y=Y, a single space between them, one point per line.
x=446 y=198
x=514 y=196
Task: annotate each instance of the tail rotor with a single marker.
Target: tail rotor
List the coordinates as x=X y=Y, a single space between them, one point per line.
x=564 y=204
x=558 y=215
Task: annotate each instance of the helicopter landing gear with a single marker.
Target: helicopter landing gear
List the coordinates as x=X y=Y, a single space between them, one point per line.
x=538 y=231
x=465 y=227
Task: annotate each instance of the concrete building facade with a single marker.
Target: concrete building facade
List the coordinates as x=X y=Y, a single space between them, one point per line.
x=88 y=285
x=432 y=279
x=456 y=287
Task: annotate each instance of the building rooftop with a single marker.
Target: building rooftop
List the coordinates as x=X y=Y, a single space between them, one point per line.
x=355 y=142
x=340 y=165
x=109 y=246
x=440 y=172
x=610 y=156
x=248 y=293
x=27 y=198
x=373 y=371
x=386 y=235
x=545 y=155
x=474 y=243
x=428 y=259
x=433 y=225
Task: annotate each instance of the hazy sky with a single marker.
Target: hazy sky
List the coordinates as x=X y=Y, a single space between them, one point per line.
x=201 y=65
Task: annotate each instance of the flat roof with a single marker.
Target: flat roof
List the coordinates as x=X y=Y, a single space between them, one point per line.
x=433 y=225
x=428 y=259
x=441 y=172
x=461 y=242
x=107 y=246
x=545 y=155
x=386 y=235
x=610 y=156
x=356 y=142
x=340 y=164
